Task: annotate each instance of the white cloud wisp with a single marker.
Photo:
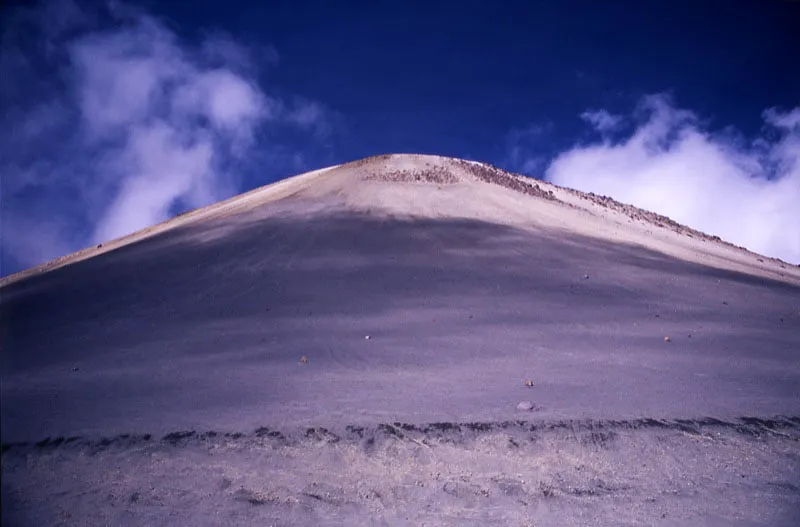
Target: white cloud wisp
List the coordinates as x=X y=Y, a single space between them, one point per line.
x=126 y=125
x=746 y=194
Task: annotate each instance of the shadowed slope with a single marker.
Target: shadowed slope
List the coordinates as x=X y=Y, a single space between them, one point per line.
x=190 y=329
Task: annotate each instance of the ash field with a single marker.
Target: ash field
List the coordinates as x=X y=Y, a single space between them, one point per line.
x=404 y=340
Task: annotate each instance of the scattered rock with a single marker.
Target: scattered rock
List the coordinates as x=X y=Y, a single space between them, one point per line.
x=437 y=174
x=667 y=339
x=586 y=277
x=494 y=175
x=525 y=406
x=75 y=368
x=303 y=360
x=367 y=337
x=528 y=383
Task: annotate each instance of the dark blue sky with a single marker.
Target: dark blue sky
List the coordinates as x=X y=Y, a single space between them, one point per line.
x=455 y=77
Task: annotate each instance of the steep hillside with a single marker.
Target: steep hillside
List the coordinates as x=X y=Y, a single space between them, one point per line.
x=424 y=186
x=404 y=339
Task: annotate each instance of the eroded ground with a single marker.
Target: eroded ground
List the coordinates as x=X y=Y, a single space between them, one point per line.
x=642 y=472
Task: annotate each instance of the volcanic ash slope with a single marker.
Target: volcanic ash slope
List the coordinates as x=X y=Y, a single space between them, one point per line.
x=492 y=347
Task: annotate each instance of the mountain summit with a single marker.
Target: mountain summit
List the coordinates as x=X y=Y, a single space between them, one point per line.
x=414 y=186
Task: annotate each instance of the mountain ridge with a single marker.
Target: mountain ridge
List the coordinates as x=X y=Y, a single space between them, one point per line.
x=402 y=185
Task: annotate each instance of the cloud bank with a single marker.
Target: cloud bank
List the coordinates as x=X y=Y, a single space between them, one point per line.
x=119 y=124
x=747 y=193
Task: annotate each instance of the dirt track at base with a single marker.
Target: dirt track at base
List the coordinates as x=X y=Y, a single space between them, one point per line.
x=643 y=472
x=203 y=327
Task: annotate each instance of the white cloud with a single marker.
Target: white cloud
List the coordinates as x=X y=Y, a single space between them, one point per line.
x=160 y=169
x=173 y=121
x=748 y=195
x=788 y=121
x=229 y=102
x=118 y=76
x=601 y=120
x=126 y=120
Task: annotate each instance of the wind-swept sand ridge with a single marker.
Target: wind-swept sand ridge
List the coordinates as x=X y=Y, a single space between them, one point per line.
x=468 y=281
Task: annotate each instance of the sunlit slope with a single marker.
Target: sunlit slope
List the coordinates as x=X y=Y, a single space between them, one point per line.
x=420 y=186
